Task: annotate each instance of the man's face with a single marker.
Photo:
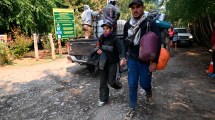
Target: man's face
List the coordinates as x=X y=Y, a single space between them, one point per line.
x=137 y=11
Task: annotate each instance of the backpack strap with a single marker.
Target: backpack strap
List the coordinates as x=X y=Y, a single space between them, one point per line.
x=148 y=27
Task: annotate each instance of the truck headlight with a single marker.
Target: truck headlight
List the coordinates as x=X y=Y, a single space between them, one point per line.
x=191 y=37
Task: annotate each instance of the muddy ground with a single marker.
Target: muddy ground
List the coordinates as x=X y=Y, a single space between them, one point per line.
x=58 y=90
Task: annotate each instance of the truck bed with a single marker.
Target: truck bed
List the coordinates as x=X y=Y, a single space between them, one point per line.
x=83 y=51
x=82 y=46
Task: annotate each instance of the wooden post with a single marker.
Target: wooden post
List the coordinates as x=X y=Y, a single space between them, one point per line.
x=36 y=47
x=52 y=46
x=5 y=38
x=59 y=46
x=68 y=47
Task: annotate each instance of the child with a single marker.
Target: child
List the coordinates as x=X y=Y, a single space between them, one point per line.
x=110 y=50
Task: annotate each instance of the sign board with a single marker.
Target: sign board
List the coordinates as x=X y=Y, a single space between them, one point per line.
x=64 y=23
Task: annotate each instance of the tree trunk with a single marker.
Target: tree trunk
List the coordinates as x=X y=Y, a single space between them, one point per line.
x=205 y=36
x=197 y=39
x=209 y=20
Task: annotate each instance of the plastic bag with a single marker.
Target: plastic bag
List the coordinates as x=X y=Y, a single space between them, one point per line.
x=163 y=59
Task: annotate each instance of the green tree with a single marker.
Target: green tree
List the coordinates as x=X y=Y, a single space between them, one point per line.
x=30 y=15
x=196 y=14
x=36 y=15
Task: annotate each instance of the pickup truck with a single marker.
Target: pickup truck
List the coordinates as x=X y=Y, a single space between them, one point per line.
x=184 y=37
x=83 y=51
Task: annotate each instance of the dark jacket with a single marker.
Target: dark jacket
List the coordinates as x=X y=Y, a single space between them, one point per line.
x=112 y=47
x=132 y=49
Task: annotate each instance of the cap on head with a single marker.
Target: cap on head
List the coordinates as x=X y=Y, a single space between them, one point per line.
x=107 y=23
x=139 y=2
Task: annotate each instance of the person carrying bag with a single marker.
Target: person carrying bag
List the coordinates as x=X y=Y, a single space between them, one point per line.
x=139 y=71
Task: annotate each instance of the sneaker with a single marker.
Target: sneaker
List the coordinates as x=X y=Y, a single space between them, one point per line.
x=100 y=103
x=129 y=114
x=211 y=75
x=149 y=100
x=117 y=85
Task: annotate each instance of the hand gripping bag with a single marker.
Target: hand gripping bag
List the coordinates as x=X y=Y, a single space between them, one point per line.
x=148 y=47
x=163 y=59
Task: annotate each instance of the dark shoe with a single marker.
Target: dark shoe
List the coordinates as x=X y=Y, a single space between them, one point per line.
x=117 y=85
x=149 y=100
x=129 y=114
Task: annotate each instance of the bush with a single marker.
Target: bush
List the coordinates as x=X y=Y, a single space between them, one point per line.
x=21 y=44
x=4 y=55
x=46 y=43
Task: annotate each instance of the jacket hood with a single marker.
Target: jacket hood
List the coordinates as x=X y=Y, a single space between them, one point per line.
x=86 y=7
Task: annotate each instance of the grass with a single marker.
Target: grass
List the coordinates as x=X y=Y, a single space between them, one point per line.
x=29 y=58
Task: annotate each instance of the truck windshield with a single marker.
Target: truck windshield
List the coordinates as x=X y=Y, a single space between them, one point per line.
x=181 y=30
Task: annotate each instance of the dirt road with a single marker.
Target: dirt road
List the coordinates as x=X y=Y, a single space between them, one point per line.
x=57 y=90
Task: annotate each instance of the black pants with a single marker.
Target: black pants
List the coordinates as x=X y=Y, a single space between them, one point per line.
x=107 y=76
x=213 y=59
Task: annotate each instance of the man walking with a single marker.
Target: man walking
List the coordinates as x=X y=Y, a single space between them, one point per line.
x=87 y=20
x=111 y=13
x=138 y=71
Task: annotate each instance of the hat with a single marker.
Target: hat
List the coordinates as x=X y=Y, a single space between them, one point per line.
x=139 y=2
x=108 y=23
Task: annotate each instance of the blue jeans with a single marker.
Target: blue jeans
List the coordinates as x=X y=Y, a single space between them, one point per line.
x=138 y=71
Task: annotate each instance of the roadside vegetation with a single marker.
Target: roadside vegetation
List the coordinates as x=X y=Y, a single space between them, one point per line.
x=195 y=15
x=19 y=19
